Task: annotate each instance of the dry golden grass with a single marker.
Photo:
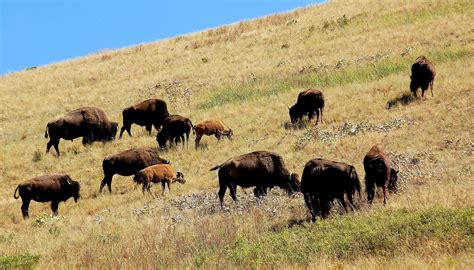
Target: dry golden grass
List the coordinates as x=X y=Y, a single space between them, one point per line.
x=247 y=74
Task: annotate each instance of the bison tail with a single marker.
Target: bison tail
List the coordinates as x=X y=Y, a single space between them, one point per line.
x=355 y=179
x=14 y=194
x=191 y=125
x=215 y=168
x=46 y=131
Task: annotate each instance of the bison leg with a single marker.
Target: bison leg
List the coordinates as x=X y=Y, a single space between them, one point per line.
x=54 y=208
x=343 y=202
x=56 y=147
x=384 y=188
x=163 y=185
x=222 y=190
x=351 y=201
x=321 y=111
x=24 y=207
x=187 y=140
x=182 y=139
x=317 y=117
x=54 y=143
x=309 y=203
x=148 y=128
x=127 y=128
x=144 y=184
x=233 y=191
x=324 y=207
x=370 y=189
x=107 y=180
x=197 y=141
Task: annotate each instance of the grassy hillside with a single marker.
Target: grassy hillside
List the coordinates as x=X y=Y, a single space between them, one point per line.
x=357 y=52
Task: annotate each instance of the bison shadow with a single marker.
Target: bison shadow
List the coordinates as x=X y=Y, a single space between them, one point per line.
x=404 y=99
x=302 y=124
x=292 y=223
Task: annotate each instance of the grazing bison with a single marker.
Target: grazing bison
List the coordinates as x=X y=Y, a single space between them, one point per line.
x=379 y=172
x=159 y=173
x=174 y=129
x=47 y=188
x=128 y=163
x=310 y=102
x=212 y=127
x=260 y=169
x=146 y=113
x=325 y=180
x=90 y=123
x=423 y=73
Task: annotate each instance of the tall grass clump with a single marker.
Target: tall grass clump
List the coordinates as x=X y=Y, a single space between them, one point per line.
x=385 y=233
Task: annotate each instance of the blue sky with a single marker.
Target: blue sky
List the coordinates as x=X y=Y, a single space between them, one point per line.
x=39 y=32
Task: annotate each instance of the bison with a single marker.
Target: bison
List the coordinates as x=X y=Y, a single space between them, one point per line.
x=47 y=188
x=260 y=169
x=150 y=112
x=325 y=180
x=212 y=127
x=423 y=73
x=129 y=162
x=174 y=129
x=159 y=173
x=310 y=102
x=92 y=124
x=379 y=172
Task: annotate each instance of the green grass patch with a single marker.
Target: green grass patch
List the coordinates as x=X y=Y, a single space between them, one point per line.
x=24 y=261
x=243 y=93
x=347 y=237
x=431 y=10
x=331 y=77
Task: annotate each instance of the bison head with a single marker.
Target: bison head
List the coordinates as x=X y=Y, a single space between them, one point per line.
x=294 y=184
x=113 y=131
x=294 y=114
x=71 y=188
x=230 y=134
x=161 y=138
x=179 y=178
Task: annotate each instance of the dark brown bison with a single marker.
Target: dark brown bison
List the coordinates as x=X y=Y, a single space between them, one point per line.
x=128 y=163
x=212 y=127
x=260 y=169
x=90 y=123
x=159 y=173
x=150 y=112
x=310 y=102
x=423 y=73
x=174 y=129
x=47 y=188
x=325 y=180
x=379 y=172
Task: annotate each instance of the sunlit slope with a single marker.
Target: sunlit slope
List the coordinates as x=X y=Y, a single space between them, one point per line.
x=248 y=74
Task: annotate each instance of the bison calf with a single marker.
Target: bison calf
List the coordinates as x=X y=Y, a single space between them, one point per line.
x=423 y=73
x=160 y=173
x=47 y=188
x=379 y=172
x=325 y=180
x=92 y=124
x=260 y=169
x=212 y=127
x=309 y=102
